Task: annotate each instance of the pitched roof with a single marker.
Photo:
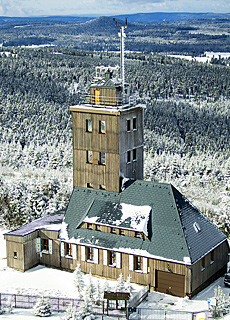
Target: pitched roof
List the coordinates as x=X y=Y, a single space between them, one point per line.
x=171 y=231
x=51 y=222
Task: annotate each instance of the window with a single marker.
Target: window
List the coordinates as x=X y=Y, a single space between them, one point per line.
x=45 y=245
x=134 y=123
x=138 y=263
x=89 y=125
x=203 y=264
x=111 y=258
x=212 y=256
x=90 y=226
x=102 y=187
x=128 y=125
x=128 y=156
x=102 y=126
x=102 y=158
x=98 y=228
x=113 y=230
x=138 y=234
x=134 y=154
x=122 y=232
x=68 y=249
x=89 y=155
x=89 y=254
x=15 y=255
x=89 y=185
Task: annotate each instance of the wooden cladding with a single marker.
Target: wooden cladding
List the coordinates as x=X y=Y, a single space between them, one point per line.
x=170 y=283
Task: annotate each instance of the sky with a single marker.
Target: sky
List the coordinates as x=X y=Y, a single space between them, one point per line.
x=23 y=8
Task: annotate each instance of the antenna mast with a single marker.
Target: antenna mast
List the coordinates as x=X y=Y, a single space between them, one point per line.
x=122 y=56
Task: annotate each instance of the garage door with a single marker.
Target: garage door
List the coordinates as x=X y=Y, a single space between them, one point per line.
x=170 y=283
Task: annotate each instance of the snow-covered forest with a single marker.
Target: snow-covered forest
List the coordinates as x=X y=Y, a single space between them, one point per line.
x=187 y=127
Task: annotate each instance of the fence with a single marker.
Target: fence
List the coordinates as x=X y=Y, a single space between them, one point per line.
x=58 y=304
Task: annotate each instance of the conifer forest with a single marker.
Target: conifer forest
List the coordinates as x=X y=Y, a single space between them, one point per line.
x=186 y=125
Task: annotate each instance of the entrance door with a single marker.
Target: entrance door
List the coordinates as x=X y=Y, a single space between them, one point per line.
x=170 y=283
x=96 y=96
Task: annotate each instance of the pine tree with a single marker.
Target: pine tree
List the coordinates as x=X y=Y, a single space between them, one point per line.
x=70 y=313
x=42 y=308
x=120 y=284
x=78 y=280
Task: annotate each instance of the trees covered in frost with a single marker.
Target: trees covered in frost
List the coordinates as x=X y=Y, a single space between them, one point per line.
x=42 y=308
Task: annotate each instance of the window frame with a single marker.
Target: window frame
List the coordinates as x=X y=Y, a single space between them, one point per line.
x=122 y=232
x=89 y=185
x=102 y=158
x=101 y=125
x=129 y=156
x=45 y=244
x=134 y=123
x=113 y=230
x=135 y=154
x=89 y=254
x=138 y=263
x=112 y=259
x=128 y=125
x=89 y=156
x=89 y=226
x=68 y=250
x=89 y=125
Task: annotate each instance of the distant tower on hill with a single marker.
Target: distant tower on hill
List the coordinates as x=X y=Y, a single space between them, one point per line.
x=107 y=132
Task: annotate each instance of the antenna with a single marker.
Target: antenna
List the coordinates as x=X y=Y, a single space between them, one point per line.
x=122 y=55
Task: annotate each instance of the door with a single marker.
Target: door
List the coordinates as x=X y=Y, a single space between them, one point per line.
x=170 y=283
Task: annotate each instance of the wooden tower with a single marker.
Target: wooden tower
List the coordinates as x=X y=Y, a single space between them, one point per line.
x=107 y=134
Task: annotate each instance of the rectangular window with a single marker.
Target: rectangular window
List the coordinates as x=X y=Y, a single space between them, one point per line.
x=68 y=249
x=89 y=125
x=203 y=264
x=90 y=226
x=138 y=234
x=98 y=228
x=89 y=155
x=102 y=126
x=138 y=263
x=134 y=123
x=122 y=232
x=113 y=230
x=128 y=125
x=111 y=258
x=15 y=255
x=102 y=158
x=212 y=256
x=90 y=254
x=102 y=187
x=89 y=185
x=128 y=156
x=134 y=154
x=45 y=245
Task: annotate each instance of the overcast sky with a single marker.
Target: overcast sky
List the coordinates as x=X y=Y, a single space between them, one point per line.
x=110 y=7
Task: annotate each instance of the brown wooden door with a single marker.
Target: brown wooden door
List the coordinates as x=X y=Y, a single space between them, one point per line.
x=170 y=283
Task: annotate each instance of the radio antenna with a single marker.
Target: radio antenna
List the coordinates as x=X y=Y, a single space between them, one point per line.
x=122 y=35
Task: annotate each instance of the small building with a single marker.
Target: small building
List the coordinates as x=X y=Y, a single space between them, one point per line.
x=115 y=221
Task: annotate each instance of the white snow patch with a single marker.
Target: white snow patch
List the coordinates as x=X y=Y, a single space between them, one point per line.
x=63 y=232
x=91 y=220
x=139 y=216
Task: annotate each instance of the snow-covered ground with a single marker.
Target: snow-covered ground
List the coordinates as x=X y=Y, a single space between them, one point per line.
x=52 y=282
x=205 y=59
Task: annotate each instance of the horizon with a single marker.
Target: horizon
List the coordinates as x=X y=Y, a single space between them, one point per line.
x=32 y=8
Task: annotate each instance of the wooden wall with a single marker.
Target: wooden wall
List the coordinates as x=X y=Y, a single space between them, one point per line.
x=97 y=142
x=220 y=259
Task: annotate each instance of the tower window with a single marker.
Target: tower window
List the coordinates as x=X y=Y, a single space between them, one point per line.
x=102 y=126
x=89 y=125
x=134 y=123
x=134 y=154
x=128 y=125
x=89 y=156
x=102 y=158
x=129 y=156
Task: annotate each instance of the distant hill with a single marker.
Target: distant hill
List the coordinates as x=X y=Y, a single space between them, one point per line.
x=170 y=16
x=138 y=17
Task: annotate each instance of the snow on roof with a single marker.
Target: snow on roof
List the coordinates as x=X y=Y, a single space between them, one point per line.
x=122 y=215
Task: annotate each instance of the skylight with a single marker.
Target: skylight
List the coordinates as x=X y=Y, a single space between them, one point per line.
x=196 y=227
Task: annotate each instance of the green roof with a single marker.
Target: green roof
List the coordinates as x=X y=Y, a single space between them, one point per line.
x=171 y=232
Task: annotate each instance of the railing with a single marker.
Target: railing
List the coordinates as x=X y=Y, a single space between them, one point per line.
x=86 y=98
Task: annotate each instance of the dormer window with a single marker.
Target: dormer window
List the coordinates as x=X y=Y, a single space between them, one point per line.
x=90 y=226
x=196 y=227
x=113 y=230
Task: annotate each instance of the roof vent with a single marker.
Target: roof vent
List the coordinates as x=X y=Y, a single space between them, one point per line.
x=196 y=227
